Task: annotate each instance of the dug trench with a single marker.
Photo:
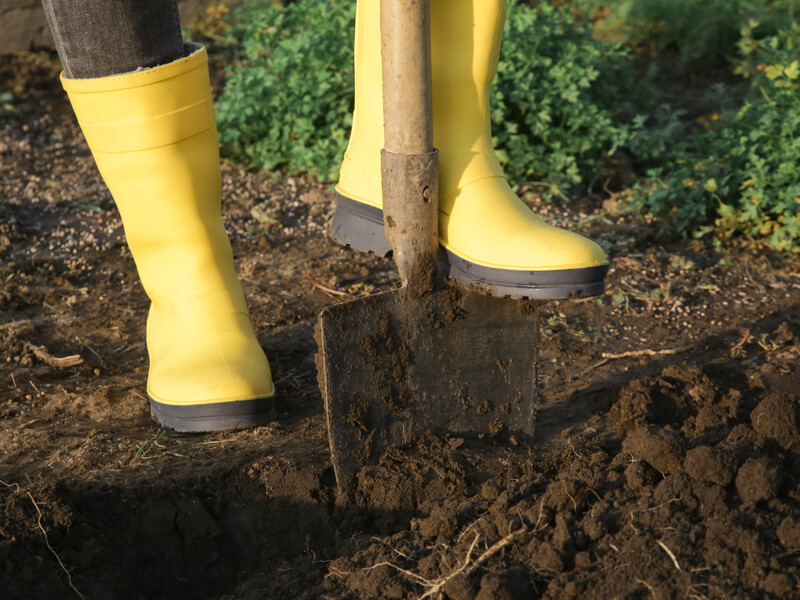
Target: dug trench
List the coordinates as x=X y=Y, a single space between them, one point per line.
x=666 y=463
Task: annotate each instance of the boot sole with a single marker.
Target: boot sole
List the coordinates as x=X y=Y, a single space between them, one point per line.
x=360 y=226
x=216 y=416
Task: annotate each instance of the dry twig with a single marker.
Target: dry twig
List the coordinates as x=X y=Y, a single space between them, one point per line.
x=54 y=361
x=670 y=553
x=467 y=566
x=645 y=352
x=327 y=290
x=52 y=550
x=440 y=583
x=590 y=368
x=648 y=586
x=17 y=326
x=608 y=356
x=41 y=528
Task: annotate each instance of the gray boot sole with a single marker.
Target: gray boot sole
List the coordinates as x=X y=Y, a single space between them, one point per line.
x=217 y=416
x=360 y=226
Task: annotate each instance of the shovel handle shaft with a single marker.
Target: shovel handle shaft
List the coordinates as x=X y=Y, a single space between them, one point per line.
x=409 y=162
x=406 y=68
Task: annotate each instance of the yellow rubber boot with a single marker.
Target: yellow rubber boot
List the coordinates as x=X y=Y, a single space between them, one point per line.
x=489 y=236
x=154 y=138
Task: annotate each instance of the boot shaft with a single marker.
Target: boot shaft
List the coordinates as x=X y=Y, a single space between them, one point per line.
x=465 y=49
x=154 y=139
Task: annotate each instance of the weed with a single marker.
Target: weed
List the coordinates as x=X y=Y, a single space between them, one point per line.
x=698 y=31
x=739 y=175
x=288 y=100
x=555 y=98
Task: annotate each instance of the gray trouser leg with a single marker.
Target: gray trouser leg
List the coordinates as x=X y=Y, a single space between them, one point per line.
x=97 y=38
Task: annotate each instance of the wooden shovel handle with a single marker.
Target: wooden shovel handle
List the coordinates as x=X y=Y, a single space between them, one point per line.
x=409 y=162
x=407 y=96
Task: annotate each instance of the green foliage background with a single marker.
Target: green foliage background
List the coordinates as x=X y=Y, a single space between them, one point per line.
x=570 y=90
x=288 y=101
x=288 y=104
x=741 y=175
x=697 y=30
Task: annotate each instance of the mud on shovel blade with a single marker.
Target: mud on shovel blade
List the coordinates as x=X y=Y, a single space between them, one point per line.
x=427 y=356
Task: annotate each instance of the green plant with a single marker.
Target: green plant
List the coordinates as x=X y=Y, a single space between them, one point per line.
x=556 y=97
x=288 y=100
x=7 y=104
x=698 y=30
x=741 y=175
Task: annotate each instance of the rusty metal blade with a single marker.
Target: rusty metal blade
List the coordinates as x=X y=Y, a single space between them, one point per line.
x=395 y=366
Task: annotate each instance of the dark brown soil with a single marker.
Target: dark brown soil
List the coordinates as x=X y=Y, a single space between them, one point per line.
x=668 y=456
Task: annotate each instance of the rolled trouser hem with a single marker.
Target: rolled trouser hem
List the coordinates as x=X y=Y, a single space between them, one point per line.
x=98 y=38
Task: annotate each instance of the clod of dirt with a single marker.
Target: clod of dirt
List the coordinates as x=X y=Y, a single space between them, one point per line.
x=564 y=531
x=490 y=490
x=594 y=528
x=778 y=418
x=639 y=475
x=441 y=522
x=709 y=417
x=631 y=409
x=781 y=382
x=713 y=465
x=660 y=448
x=710 y=498
x=545 y=556
x=504 y=586
x=779 y=584
x=783 y=334
x=741 y=438
x=459 y=588
x=684 y=372
x=677 y=485
x=789 y=533
x=758 y=480
x=566 y=493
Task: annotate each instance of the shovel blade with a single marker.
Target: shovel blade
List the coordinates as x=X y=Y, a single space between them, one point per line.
x=394 y=367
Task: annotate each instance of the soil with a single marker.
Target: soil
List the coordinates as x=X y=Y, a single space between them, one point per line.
x=667 y=460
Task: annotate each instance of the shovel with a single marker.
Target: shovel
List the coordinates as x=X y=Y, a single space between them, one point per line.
x=429 y=356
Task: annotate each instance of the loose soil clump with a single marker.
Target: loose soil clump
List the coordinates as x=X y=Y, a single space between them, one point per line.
x=666 y=465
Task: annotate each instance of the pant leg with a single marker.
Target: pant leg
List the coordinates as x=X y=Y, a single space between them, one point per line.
x=97 y=38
